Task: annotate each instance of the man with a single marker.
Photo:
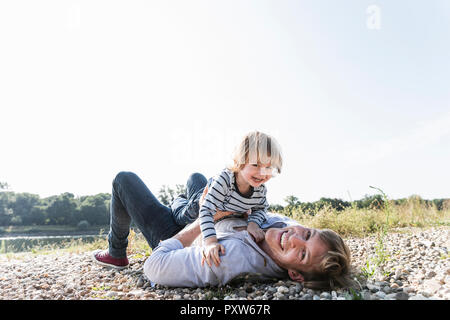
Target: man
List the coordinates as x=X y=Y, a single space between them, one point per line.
x=317 y=258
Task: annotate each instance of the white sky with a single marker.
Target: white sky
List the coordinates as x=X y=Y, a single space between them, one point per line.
x=167 y=88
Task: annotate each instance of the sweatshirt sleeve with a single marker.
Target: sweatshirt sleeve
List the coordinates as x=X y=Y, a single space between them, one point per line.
x=172 y=265
x=214 y=200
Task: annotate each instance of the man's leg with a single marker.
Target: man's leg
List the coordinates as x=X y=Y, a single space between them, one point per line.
x=185 y=210
x=131 y=199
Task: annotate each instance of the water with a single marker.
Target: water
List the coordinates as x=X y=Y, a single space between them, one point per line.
x=22 y=244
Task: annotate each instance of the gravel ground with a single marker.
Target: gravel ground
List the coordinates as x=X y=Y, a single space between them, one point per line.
x=417 y=267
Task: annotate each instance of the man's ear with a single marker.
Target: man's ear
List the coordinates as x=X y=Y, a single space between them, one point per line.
x=296 y=276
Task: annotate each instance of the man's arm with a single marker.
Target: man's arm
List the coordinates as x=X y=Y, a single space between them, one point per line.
x=188 y=234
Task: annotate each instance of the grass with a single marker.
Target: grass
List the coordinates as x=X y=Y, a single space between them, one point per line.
x=362 y=222
x=137 y=246
x=48 y=230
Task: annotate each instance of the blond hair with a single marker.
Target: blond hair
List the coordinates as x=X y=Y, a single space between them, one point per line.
x=334 y=269
x=257 y=147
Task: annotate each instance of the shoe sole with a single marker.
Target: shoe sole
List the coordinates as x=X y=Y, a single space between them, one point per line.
x=106 y=264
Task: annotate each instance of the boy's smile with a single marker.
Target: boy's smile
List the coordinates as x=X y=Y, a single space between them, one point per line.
x=255 y=174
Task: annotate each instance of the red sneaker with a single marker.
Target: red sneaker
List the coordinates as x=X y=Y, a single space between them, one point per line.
x=102 y=257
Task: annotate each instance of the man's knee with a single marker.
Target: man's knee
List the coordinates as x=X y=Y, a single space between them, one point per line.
x=197 y=177
x=122 y=177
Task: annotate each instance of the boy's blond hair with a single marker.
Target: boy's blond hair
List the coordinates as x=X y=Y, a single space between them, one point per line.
x=255 y=148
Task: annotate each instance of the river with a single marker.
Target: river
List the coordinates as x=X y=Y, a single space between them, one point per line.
x=28 y=243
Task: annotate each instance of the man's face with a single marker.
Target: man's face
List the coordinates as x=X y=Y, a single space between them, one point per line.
x=294 y=248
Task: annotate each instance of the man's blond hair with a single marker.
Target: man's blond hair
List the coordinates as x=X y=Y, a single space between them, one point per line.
x=334 y=268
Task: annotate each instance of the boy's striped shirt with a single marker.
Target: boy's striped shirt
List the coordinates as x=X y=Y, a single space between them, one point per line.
x=224 y=195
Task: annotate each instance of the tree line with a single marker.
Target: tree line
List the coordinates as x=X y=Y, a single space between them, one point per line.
x=376 y=202
x=66 y=209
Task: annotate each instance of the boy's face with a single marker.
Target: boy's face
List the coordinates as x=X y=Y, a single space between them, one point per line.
x=256 y=174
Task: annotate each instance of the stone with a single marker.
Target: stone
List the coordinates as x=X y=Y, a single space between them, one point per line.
x=401 y=296
x=394 y=286
x=242 y=293
x=298 y=287
x=409 y=289
x=279 y=296
x=325 y=295
x=391 y=296
x=432 y=285
x=365 y=295
x=140 y=282
x=282 y=289
x=417 y=297
x=373 y=288
x=387 y=289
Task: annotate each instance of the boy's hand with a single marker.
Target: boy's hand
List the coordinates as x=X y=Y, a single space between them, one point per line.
x=255 y=231
x=211 y=250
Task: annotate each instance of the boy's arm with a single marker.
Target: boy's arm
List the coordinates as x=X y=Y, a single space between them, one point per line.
x=259 y=212
x=215 y=196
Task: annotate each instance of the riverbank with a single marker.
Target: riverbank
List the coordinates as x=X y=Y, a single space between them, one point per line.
x=51 y=231
x=416 y=266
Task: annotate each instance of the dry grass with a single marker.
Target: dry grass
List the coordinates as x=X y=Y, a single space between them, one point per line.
x=361 y=222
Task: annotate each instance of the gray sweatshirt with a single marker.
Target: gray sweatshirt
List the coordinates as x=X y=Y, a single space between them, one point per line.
x=172 y=265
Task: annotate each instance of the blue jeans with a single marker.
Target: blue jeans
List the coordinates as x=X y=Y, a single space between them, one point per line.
x=132 y=200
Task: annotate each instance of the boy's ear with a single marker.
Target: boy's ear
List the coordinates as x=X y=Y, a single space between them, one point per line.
x=296 y=276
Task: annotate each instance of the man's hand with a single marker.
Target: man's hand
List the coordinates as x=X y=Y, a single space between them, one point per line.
x=255 y=231
x=211 y=250
x=202 y=198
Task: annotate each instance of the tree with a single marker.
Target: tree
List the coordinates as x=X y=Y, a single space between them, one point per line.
x=275 y=208
x=23 y=205
x=370 y=202
x=5 y=211
x=292 y=200
x=336 y=204
x=38 y=215
x=61 y=209
x=167 y=195
x=94 y=209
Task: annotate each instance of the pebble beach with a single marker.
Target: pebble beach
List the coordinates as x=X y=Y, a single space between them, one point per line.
x=416 y=267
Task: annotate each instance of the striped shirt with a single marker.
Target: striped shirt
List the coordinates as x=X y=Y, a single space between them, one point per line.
x=223 y=194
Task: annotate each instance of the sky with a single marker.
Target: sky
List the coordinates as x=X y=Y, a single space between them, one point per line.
x=356 y=93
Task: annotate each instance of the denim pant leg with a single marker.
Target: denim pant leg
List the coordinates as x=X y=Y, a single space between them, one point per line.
x=131 y=199
x=185 y=210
